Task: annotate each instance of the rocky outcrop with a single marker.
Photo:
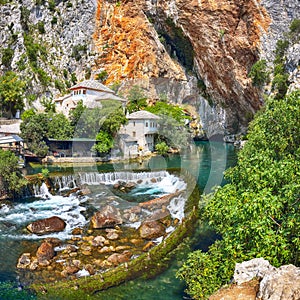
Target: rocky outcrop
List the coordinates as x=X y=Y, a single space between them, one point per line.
x=165 y=48
x=257 y=279
x=109 y=216
x=49 y=41
x=53 y=224
x=283 y=283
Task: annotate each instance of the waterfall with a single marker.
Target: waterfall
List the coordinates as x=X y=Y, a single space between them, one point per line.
x=65 y=182
x=94 y=178
x=41 y=191
x=112 y=177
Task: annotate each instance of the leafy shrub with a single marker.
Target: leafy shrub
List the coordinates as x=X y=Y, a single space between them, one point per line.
x=78 y=50
x=7 y=55
x=257 y=212
x=259 y=73
x=295 y=26
x=51 y=5
x=59 y=85
x=41 y=27
x=162 y=148
x=54 y=20
x=102 y=76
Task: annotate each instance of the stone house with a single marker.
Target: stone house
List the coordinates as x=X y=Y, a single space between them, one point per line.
x=91 y=92
x=137 y=137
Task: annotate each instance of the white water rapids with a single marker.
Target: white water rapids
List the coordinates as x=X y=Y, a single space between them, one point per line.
x=15 y=217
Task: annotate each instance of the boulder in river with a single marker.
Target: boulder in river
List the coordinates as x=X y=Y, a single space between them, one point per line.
x=53 y=224
x=119 y=258
x=109 y=216
x=45 y=252
x=151 y=230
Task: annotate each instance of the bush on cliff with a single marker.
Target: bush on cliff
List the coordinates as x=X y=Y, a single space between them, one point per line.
x=257 y=213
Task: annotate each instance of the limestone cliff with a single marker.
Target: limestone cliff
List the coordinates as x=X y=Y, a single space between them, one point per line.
x=196 y=52
x=191 y=50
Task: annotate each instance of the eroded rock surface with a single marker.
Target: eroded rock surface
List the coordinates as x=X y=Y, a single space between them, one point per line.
x=257 y=279
x=52 y=224
x=109 y=216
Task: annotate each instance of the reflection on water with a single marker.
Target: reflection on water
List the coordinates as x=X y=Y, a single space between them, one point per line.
x=206 y=162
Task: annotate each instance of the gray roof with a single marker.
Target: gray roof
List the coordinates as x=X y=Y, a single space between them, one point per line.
x=10 y=139
x=141 y=115
x=92 y=84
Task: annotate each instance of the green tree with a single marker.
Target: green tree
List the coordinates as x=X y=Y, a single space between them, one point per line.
x=76 y=113
x=11 y=93
x=257 y=213
x=175 y=112
x=113 y=117
x=172 y=129
x=162 y=148
x=259 y=73
x=37 y=128
x=34 y=131
x=59 y=127
x=137 y=99
x=104 y=142
x=11 y=179
x=48 y=105
x=107 y=118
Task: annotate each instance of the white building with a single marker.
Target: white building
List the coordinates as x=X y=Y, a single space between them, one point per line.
x=137 y=137
x=91 y=92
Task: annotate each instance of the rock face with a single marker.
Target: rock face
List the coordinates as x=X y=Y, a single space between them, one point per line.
x=109 y=216
x=53 y=224
x=50 y=42
x=257 y=267
x=244 y=291
x=155 y=42
x=281 y=283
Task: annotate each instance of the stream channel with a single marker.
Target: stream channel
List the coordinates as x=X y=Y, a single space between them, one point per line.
x=206 y=161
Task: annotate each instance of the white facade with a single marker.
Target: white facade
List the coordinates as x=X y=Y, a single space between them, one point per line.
x=91 y=92
x=138 y=134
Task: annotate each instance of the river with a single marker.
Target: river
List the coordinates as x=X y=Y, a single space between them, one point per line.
x=206 y=161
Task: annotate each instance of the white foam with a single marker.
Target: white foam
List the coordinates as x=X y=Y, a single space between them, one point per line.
x=82 y=273
x=176 y=207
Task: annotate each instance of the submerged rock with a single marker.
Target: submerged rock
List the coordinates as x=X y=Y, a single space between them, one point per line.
x=45 y=252
x=109 y=216
x=24 y=261
x=53 y=224
x=117 y=258
x=151 y=230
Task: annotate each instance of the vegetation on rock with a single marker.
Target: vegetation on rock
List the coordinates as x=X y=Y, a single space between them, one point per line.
x=257 y=213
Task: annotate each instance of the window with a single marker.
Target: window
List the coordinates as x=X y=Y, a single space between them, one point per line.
x=84 y=92
x=134 y=123
x=134 y=134
x=146 y=124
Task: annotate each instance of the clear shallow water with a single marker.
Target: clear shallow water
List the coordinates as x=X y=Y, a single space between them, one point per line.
x=206 y=162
